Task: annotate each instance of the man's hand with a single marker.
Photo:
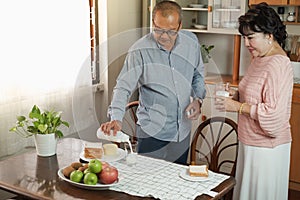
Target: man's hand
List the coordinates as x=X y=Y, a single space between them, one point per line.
x=193 y=110
x=114 y=125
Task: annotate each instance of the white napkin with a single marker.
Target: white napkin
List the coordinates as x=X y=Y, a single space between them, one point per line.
x=211 y=193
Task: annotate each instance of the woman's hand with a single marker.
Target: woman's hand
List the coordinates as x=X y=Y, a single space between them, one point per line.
x=114 y=125
x=227 y=104
x=193 y=110
x=233 y=93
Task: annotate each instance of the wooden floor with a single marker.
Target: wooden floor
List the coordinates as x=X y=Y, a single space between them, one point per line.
x=294 y=195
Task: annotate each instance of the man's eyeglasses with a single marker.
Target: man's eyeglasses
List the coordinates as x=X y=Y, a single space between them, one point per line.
x=160 y=31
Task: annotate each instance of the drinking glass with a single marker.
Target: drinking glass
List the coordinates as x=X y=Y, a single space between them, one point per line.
x=220 y=90
x=131 y=154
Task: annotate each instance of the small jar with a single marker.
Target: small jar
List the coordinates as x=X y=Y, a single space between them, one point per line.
x=291 y=17
x=280 y=11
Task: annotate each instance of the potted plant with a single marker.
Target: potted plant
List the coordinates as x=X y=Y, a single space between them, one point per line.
x=205 y=52
x=43 y=126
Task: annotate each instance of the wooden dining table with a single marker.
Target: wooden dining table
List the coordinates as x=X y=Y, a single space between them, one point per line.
x=33 y=177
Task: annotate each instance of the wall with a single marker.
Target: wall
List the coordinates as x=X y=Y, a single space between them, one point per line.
x=293 y=29
x=222 y=53
x=124 y=21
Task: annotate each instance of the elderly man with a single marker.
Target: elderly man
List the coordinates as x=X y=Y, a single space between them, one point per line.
x=166 y=67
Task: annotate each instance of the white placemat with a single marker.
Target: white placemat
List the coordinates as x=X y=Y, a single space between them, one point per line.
x=160 y=179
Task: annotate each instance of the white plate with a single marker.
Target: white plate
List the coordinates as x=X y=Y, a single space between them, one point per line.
x=196 y=5
x=120 y=155
x=185 y=175
x=199 y=26
x=98 y=186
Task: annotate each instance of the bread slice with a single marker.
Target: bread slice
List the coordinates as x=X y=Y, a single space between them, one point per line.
x=93 y=150
x=198 y=170
x=110 y=149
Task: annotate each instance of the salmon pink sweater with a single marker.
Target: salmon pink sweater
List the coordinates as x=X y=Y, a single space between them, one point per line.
x=267 y=87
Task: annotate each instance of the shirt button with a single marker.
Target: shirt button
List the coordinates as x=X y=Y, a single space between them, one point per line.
x=173 y=68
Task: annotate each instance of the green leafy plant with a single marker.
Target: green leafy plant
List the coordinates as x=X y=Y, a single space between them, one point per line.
x=205 y=52
x=46 y=122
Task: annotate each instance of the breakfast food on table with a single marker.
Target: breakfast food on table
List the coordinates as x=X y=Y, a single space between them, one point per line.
x=76 y=165
x=198 y=170
x=108 y=175
x=110 y=149
x=73 y=167
x=84 y=167
x=93 y=150
x=91 y=173
x=67 y=171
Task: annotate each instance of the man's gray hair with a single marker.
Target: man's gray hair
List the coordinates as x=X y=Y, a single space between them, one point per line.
x=167 y=8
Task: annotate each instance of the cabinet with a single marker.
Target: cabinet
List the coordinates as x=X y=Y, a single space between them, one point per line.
x=294 y=2
x=212 y=16
x=288 y=5
x=295 y=149
x=270 y=2
x=276 y=2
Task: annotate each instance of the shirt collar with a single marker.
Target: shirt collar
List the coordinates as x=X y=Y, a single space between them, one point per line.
x=177 y=42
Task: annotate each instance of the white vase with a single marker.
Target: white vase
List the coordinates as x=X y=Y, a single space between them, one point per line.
x=45 y=144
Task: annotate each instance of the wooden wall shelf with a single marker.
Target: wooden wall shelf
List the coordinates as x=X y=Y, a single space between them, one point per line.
x=212 y=78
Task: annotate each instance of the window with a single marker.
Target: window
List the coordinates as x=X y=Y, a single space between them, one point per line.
x=94 y=35
x=98 y=34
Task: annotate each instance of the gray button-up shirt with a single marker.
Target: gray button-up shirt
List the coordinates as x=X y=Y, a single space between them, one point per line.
x=166 y=80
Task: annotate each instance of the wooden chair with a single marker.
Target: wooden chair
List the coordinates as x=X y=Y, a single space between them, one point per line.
x=215 y=143
x=130 y=120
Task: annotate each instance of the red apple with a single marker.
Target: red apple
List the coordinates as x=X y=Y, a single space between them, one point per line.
x=104 y=164
x=108 y=175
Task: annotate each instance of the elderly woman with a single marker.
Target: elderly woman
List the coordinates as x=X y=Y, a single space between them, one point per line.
x=263 y=102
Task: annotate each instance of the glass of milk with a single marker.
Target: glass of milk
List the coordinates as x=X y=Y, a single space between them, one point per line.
x=131 y=153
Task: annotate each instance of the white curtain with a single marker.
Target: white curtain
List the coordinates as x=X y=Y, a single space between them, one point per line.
x=43 y=47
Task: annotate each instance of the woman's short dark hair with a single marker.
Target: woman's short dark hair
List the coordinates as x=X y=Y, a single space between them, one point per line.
x=264 y=19
x=167 y=8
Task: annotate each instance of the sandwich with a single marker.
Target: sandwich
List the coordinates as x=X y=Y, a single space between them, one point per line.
x=110 y=149
x=198 y=170
x=93 y=150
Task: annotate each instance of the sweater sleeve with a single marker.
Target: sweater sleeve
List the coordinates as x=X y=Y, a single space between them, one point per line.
x=271 y=113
